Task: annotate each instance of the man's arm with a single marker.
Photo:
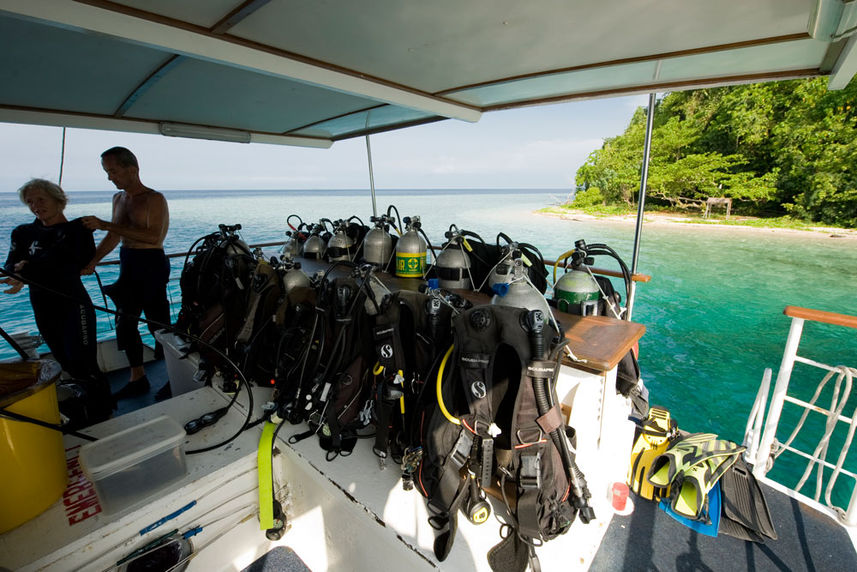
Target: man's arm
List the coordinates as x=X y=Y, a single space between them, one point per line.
x=152 y=233
x=107 y=244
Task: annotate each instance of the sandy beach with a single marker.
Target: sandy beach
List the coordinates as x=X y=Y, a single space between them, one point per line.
x=651 y=219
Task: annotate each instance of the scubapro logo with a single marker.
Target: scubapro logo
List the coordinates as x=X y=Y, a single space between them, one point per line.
x=386 y=351
x=478 y=389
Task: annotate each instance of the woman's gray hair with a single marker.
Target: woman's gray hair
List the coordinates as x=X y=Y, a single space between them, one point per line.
x=52 y=189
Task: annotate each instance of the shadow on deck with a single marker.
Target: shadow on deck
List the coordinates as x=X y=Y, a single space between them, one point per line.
x=649 y=539
x=156 y=371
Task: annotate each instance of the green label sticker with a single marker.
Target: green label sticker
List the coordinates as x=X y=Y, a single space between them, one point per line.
x=410 y=264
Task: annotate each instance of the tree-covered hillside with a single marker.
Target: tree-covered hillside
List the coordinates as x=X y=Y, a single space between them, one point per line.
x=775 y=148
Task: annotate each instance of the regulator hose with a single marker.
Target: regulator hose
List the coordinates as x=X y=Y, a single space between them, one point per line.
x=439 y=388
x=536 y=322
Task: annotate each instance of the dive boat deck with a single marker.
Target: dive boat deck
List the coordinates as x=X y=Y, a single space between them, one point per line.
x=327 y=502
x=648 y=539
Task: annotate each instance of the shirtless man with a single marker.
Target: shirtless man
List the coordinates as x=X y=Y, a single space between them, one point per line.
x=140 y=220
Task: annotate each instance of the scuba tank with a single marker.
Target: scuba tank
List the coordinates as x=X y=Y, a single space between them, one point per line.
x=534 y=263
x=378 y=244
x=578 y=292
x=453 y=264
x=518 y=292
x=340 y=245
x=293 y=246
x=294 y=243
x=315 y=246
x=292 y=275
x=411 y=251
x=503 y=270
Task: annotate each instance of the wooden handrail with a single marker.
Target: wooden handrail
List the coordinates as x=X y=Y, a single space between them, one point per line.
x=821 y=316
x=614 y=273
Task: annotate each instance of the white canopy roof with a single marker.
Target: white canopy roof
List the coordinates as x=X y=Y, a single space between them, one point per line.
x=312 y=72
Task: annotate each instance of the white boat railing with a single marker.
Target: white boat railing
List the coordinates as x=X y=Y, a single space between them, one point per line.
x=763 y=448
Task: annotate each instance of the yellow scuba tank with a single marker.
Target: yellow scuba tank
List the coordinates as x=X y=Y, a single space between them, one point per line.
x=411 y=251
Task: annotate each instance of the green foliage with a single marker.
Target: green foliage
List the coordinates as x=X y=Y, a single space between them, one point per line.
x=780 y=147
x=588 y=198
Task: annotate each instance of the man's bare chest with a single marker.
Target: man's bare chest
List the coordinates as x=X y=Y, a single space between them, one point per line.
x=133 y=210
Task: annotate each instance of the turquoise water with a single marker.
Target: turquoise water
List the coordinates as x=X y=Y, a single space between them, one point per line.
x=713 y=309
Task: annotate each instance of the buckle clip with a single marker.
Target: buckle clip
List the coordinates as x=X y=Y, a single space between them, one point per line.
x=529 y=475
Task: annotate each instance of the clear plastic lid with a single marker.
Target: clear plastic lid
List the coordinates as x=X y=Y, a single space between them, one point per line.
x=111 y=454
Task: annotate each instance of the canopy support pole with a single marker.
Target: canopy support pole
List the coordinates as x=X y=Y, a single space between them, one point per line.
x=62 y=157
x=371 y=177
x=641 y=202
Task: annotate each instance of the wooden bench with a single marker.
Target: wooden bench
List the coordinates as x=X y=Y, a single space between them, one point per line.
x=717 y=202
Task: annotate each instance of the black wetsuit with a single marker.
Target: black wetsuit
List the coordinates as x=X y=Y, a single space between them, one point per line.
x=141 y=287
x=64 y=314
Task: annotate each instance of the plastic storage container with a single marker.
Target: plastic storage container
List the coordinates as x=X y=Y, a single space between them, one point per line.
x=130 y=466
x=182 y=366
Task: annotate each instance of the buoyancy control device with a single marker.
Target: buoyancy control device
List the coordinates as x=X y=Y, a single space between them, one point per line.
x=496 y=426
x=582 y=292
x=411 y=250
x=410 y=333
x=335 y=395
x=259 y=334
x=215 y=287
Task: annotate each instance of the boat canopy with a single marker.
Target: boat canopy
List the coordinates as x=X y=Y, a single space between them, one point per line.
x=311 y=73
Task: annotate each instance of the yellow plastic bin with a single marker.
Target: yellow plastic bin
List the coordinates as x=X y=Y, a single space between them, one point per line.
x=32 y=458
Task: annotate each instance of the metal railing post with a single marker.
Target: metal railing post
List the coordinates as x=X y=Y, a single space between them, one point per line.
x=760 y=467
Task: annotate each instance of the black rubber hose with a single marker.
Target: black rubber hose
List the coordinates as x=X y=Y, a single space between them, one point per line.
x=536 y=323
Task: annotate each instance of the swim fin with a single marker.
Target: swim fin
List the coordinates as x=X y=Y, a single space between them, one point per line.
x=691 y=487
x=745 y=510
x=711 y=520
x=653 y=440
x=687 y=452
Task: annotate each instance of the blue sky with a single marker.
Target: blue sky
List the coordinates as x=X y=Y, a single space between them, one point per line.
x=536 y=147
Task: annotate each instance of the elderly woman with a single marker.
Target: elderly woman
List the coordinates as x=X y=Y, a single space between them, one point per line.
x=48 y=255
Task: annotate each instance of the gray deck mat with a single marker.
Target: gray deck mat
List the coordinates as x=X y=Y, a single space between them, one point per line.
x=650 y=540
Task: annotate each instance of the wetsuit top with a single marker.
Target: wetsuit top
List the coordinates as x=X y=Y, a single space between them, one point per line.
x=55 y=255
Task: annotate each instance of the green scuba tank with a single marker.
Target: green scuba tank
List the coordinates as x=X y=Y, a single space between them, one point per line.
x=411 y=251
x=577 y=292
